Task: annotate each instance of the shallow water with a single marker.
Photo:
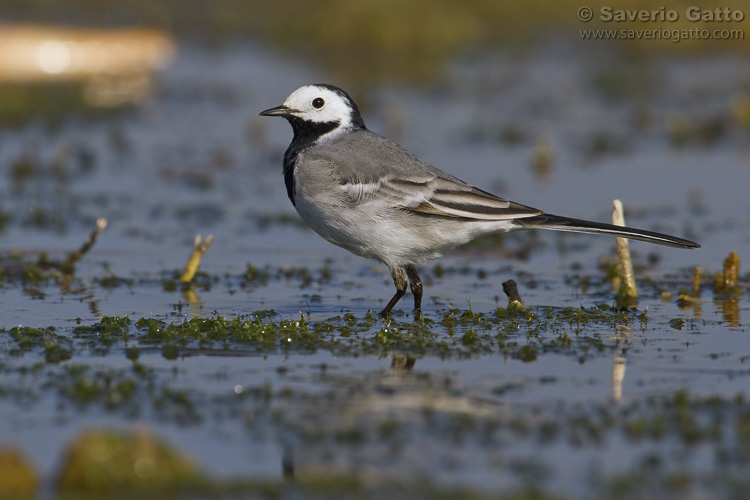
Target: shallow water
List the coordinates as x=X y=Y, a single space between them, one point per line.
x=480 y=414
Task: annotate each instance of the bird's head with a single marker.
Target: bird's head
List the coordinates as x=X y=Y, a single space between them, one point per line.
x=318 y=110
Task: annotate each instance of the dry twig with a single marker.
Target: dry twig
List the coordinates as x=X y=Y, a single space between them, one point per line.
x=199 y=248
x=628 y=293
x=67 y=265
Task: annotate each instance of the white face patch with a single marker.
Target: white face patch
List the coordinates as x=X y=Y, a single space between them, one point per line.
x=316 y=104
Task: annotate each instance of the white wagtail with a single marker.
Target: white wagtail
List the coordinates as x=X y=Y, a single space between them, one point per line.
x=369 y=195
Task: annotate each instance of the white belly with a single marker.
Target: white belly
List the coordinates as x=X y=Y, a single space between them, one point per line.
x=390 y=235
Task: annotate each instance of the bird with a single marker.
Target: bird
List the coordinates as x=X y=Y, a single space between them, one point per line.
x=369 y=195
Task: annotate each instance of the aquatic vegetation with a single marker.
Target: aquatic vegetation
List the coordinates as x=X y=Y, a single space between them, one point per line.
x=356 y=415
x=18 y=478
x=15 y=268
x=34 y=273
x=108 y=463
x=106 y=332
x=56 y=347
x=515 y=332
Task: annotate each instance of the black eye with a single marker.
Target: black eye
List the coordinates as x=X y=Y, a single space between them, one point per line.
x=318 y=103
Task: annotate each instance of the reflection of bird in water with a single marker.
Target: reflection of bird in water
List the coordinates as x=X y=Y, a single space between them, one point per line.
x=402 y=362
x=287 y=464
x=94 y=308
x=618 y=375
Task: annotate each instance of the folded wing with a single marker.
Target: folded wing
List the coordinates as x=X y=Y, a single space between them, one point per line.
x=437 y=194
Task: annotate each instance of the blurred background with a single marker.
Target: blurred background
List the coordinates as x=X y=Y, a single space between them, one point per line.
x=359 y=44
x=145 y=113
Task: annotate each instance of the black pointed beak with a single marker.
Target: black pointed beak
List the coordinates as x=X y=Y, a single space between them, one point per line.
x=277 y=111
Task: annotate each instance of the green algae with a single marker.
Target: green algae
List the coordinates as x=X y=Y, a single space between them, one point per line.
x=56 y=347
x=110 y=388
x=30 y=273
x=466 y=332
x=62 y=368
x=18 y=478
x=113 y=464
x=524 y=334
x=514 y=332
x=105 y=333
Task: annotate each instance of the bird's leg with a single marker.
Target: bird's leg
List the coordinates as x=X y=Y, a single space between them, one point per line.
x=399 y=279
x=416 y=288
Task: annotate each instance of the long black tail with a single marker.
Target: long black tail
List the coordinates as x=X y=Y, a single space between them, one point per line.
x=557 y=223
